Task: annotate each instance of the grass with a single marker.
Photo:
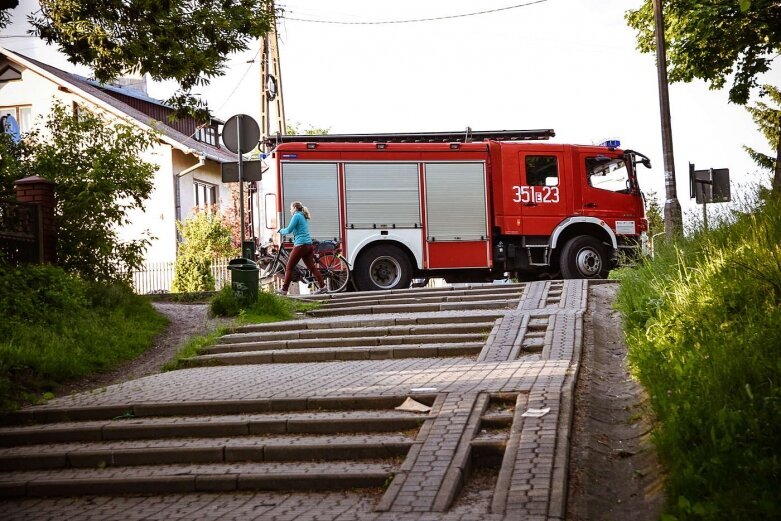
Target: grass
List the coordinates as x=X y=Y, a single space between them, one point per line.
x=57 y=328
x=703 y=324
x=194 y=347
x=268 y=308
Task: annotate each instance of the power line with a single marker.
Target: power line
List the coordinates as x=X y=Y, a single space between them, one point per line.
x=415 y=20
x=243 y=76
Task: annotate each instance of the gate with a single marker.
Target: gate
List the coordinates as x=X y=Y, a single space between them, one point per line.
x=21 y=234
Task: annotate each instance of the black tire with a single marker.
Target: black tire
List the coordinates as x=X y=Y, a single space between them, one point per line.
x=382 y=267
x=584 y=257
x=269 y=269
x=335 y=272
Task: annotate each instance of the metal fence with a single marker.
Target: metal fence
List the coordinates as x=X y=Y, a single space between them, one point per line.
x=20 y=232
x=156 y=277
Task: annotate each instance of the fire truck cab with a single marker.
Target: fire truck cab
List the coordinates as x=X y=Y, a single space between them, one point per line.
x=410 y=206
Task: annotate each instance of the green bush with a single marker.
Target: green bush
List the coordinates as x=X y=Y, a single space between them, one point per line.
x=268 y=308
x=57 y=327
x=100 y=179
x=703 y=323
x=224 y=304
x=193 y=273
x=204 y=236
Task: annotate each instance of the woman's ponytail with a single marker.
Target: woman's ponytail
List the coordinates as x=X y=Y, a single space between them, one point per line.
x=301 y=208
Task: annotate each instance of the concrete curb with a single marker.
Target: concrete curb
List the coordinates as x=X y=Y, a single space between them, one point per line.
x=117 y=432
x=225 y=453
x=193 y=483
x=295 y=356
x=209 y=408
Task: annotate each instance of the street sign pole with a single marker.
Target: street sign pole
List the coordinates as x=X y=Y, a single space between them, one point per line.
x=243 y=140
x=241 y=180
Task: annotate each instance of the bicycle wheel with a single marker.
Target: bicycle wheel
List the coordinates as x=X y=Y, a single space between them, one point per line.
x=270 y=269
x=335 y=272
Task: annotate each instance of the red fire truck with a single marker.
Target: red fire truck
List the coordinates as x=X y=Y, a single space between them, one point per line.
x=461 y=206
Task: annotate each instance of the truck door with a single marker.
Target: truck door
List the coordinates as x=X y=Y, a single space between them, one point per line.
x=456 y=218
x=609 y=192
x=316 y=186
x=543 y=189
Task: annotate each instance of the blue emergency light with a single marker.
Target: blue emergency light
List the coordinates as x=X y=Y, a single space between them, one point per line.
x=611 y=143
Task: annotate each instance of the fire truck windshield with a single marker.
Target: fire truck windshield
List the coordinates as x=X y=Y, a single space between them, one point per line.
x=608 y=173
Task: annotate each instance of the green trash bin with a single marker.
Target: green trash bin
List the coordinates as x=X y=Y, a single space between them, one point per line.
x=244 y=280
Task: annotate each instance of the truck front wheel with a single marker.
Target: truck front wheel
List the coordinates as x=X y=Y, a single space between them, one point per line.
x=382 y=267
x=584 y=257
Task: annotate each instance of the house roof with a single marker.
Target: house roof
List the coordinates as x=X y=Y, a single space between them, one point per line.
x=93 y=91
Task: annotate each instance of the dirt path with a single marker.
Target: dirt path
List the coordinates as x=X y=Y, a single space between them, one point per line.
x=613 y=471
x=186 y=321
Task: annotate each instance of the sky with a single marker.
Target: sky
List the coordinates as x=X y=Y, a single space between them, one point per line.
x=567 y=65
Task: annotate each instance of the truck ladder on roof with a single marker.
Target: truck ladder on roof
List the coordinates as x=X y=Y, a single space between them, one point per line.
x=463 y=136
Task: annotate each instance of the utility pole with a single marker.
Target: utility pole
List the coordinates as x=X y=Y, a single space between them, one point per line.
x=271 y=87
x=270 y=92
x=673 y=220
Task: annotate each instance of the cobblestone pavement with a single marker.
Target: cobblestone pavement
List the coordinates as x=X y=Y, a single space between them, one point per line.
x=303 y=440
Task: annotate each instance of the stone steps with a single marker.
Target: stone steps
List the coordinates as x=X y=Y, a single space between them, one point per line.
x=168 y=427
x=349 y=332
x=178 y=479
x=459 y=289
x=294 y=444
x=374 y=352
x=358 y=341
x=415 y=308
x=130 y=412
x=203 y=450
x=434 y=318
x=463 y=296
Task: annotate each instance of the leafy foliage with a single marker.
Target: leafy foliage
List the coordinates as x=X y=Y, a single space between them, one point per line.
x=11 y=167
x=268 y=308
x=654 y=214
x=57 y=327
x=768 y=119
x=714 y=39
x=100 y=177
x=184 y=40
x=703 y=322
x=204 y=236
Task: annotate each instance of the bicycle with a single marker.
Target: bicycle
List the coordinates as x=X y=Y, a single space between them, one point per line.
x=332 y=264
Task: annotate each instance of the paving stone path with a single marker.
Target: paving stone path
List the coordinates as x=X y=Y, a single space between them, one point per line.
x=297 y=420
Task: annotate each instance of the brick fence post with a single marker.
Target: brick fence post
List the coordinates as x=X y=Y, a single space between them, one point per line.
x=38 y=190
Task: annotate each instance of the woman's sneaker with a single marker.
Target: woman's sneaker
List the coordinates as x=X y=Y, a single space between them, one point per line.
x=281 y=291
x=319 y=291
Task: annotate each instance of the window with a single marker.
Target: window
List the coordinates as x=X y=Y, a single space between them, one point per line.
x=607 y=173
x=204 y=194
x=22 y=114
x=206 y=135
x=542 y=171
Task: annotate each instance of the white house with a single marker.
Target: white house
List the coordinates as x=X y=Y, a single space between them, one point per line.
x=188 y=157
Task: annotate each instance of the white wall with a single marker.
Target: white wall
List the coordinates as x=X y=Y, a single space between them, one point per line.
x=159 y=213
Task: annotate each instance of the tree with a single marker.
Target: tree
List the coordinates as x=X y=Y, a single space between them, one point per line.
x=768 y=119
x=712 y=39
x=296 y=129
x=99 y=178
x=184 y=40
x=203 y=236
x=654 y=214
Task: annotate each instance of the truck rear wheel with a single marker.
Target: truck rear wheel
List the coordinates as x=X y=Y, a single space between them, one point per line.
x=382 y=267
x=584 y=257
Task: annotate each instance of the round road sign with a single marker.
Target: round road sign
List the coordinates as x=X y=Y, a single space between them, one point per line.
x=241 y=134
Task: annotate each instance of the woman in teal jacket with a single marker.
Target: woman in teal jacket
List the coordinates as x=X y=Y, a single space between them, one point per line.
x=302 y=247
